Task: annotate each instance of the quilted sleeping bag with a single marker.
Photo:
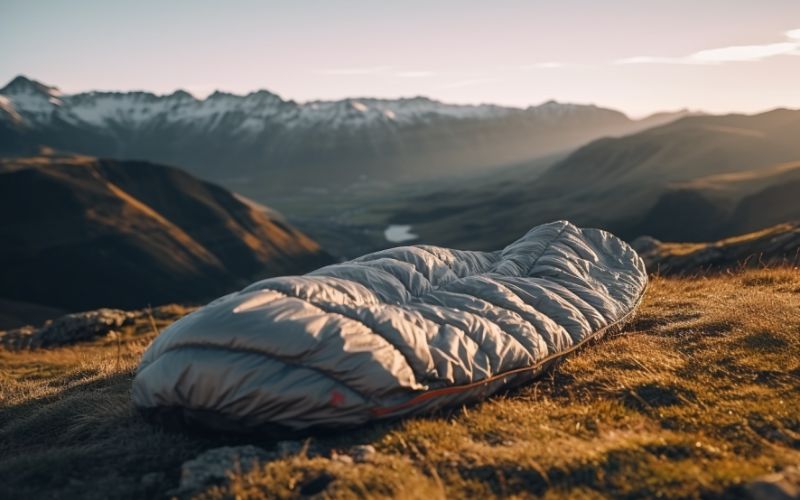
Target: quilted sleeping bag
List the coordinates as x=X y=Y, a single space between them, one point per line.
x=400 y=331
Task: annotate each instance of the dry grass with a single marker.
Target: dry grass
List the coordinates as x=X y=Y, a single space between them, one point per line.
x=693 y=399
x=671 y=248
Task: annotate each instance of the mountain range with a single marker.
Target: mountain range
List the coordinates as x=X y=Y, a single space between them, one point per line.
x=80 y=233
x=462 y=176
x=260 y=144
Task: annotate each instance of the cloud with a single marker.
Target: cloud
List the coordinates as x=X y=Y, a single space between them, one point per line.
x=736 y=53
x=657 y=60
x=744 y=52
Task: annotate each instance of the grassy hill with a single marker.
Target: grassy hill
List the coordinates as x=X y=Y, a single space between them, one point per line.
x=694 y=398
x=775 y=245
x=74 y=223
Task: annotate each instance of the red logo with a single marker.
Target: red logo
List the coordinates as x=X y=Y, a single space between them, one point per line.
x=337 y=398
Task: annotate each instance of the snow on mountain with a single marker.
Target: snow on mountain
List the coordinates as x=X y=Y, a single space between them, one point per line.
x=29 y=100
x=37 y=104
x=5 y=105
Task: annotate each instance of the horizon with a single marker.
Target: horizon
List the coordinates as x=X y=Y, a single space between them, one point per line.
x=623 y=55
x=409 y=97
x=201 y=98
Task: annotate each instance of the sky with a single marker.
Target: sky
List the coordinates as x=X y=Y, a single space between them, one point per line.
x=638 y=56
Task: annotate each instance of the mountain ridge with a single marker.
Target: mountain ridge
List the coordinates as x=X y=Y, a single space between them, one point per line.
x=260 y=143
x=23 y=82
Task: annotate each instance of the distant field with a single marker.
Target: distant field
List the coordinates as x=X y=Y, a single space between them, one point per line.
x=697 y=396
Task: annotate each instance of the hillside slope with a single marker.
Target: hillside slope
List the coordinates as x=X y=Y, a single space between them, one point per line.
x=690 y=180
x=80 y=232
x=776 y=245
x=722 y=205
x=695 y=399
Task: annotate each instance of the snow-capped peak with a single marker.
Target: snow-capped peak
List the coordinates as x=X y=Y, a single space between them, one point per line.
x=31 y=102
x=22 y=85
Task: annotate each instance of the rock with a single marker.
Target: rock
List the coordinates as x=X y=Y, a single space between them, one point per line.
x=783 y=485
x=81 y=326
x=363 y=453
x=644 y=244
x=67 y=330
x=18 y=338
x=214 y=466
x=342 y=458
x=777 y=245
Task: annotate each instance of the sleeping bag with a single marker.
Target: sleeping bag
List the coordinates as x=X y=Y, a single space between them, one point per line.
x=401 y=331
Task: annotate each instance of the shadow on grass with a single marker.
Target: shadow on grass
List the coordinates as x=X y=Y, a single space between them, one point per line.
x=89 y=441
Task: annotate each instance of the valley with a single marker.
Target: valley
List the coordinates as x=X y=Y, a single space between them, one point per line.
x=691 y=180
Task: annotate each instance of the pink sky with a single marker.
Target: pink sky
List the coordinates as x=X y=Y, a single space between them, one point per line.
x=636 y=56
